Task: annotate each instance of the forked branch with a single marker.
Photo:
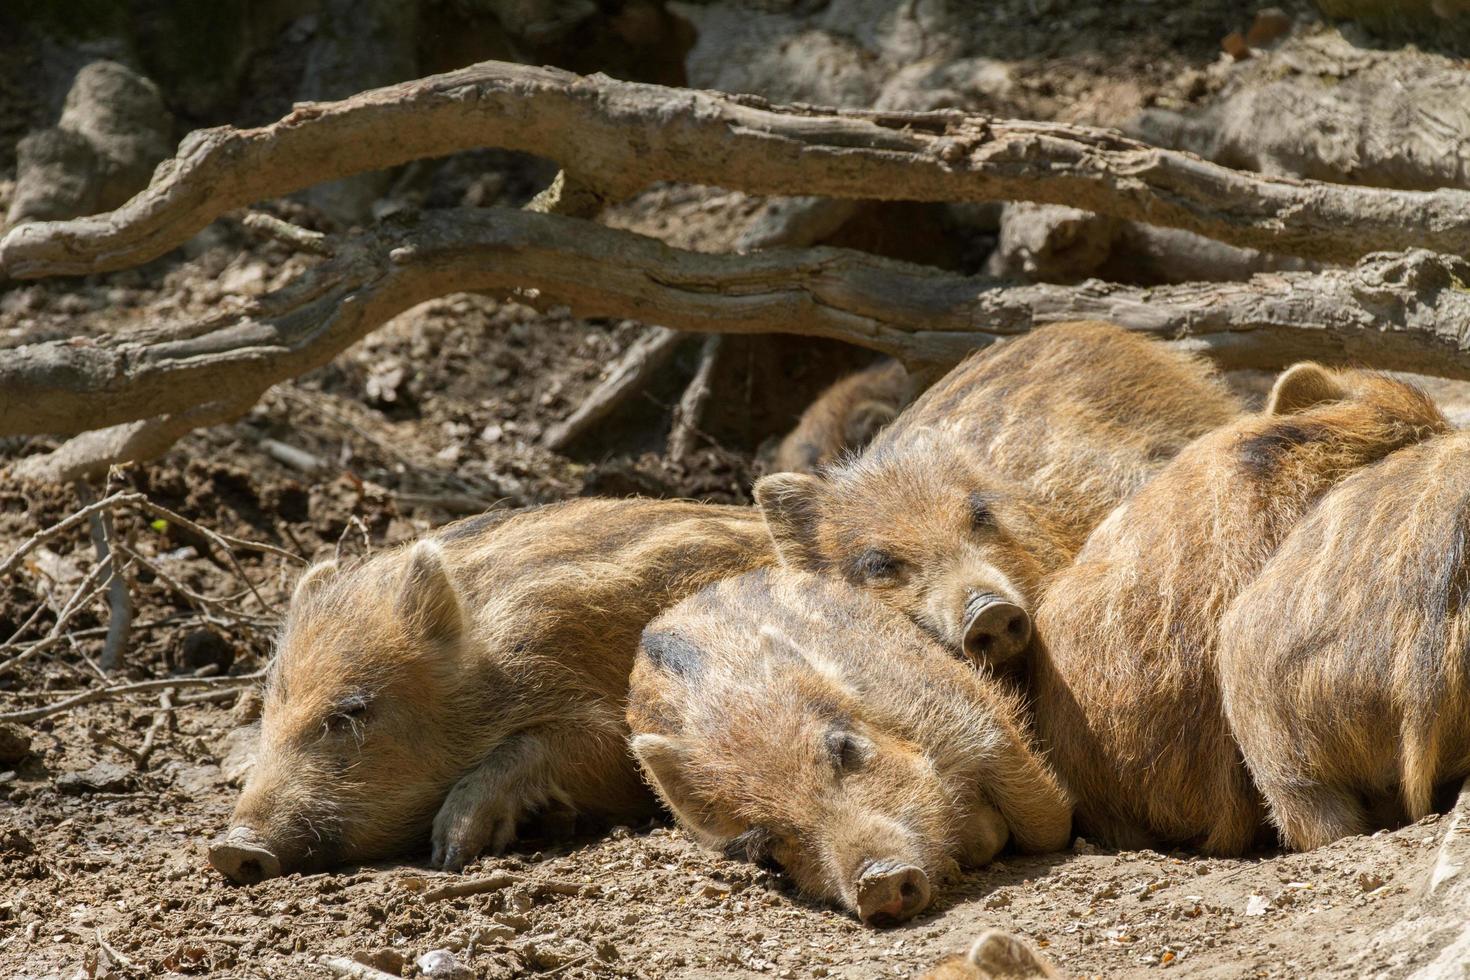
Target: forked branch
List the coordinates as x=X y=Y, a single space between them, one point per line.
x=618 y=137
x=1407 y=312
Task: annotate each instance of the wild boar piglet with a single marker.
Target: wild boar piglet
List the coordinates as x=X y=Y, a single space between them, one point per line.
x=789 y=718
x=1125 y=686
x=1345 y=665
x=444 y=691
x=845 y=418
x=958 y=513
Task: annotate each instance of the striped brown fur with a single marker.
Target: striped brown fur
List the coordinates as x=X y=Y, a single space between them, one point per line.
x=989 y=483
x=1345 y=666
x=479 y=674
x=796 y=718
x=1126 y=696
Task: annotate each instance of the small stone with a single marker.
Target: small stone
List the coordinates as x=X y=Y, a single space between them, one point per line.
x=998 y=900
x=104 y=777
x=15 y=744
x=1257 y=905
x=441 y=964
x=385 y=959
x=715 y=890
x=495 y=934
x=1369 y=881
x=1234 y=45
x=606 y=951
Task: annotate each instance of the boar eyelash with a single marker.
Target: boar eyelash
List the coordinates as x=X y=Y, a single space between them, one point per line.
x=754 y=845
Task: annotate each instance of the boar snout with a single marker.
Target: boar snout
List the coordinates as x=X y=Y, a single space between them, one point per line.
x=996 y=630
x=889 y=892
x=243 y=857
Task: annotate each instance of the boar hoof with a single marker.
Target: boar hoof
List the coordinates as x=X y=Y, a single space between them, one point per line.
x=889 y=893
x=996 y=630
x=242 y=857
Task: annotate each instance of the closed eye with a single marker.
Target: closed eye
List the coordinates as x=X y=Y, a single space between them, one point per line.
x=877 y=566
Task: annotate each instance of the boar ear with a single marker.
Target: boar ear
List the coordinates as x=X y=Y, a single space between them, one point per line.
x=664 y=759
x=1301 y=386
x=426 y=599
x=313 y=579
x=789 y=503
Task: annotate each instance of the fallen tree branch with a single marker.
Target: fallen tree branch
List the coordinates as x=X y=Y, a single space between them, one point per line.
x=632 y=372
x=1406 y=312
x=625 y=136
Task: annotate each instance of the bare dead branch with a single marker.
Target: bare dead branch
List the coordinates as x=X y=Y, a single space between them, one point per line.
x=121 y=690
x=119 y=595
x=624 y=135
x=690 y=410
x=64 y=525
x=631 y=372
x=1408 y=311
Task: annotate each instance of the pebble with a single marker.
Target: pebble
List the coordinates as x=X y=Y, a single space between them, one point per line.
x=15 y=744
x=441 y=964
x=104 y=777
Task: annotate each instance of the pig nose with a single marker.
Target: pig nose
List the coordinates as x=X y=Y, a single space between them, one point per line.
x=995 y=630
x=889 y=893
x=243 y=857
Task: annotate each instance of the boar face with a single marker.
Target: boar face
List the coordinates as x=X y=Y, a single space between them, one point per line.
x=352 y=763
x=794 y=775
x=961 y=552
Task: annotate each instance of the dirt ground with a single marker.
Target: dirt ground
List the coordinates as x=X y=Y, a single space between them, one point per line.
x=102 y=853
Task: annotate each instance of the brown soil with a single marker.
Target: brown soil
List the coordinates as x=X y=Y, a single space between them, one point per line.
x=102 y=865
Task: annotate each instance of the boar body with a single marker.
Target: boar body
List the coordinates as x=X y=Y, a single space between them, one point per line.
x=960 y=510
x=845 y=418
x=448 y=689
x=1126 y=692
x=786 y=716
x=1345 y=666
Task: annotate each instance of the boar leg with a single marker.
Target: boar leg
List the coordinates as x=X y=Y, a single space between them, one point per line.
x=521 y=774
x=1310 y=814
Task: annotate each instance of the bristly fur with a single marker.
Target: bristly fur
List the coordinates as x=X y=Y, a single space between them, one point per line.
x=492 y=657
x=1051 y=430
x=828 y=730
x=845 y=418
x=1127 y=697
x=1345 y=666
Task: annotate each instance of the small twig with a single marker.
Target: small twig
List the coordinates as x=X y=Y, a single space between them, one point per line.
x=343 y=967
x=163 y=717
x=474 y=886
x=61 y=527
x=207 y=697
x=690 y=409
x=119 y=690
x=353 y=521
x=223 y=611
x=223 y=541
x=296 y=458
x=303 y=239
x=103 y=738
x=119 y=596
x=629 y=375
x=75 y=604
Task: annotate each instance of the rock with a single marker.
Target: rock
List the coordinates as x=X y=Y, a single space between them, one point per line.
x=441 y=964
x=715 y=890
x=113 y=131
x=15 y=744
x=104 y=777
